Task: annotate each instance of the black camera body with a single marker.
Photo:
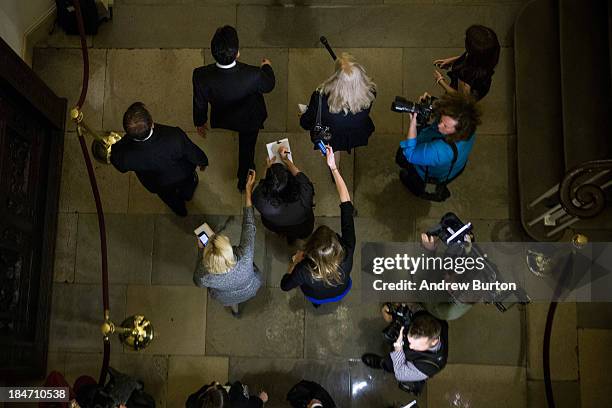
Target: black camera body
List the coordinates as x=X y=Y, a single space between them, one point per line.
x=452 y=231
x=402 y=317
x=320 y=135
x=423 y=109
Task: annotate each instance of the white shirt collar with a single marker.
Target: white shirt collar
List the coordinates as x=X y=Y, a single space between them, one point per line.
x=146 y=138
x=232 y=65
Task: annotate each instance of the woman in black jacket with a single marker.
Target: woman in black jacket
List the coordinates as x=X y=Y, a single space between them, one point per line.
x=285 y=199
x=347 y=97
x=323 y=269
x=472 y=71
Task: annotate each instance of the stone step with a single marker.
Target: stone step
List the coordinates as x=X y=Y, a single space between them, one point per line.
x=538 y=106
x=585 y=83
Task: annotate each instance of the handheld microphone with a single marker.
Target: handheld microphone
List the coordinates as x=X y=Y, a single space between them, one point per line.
x=328 y=47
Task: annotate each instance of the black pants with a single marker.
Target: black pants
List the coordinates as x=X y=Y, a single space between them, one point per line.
x=293 y=232
x=175 y=195
x=408 y=175
x=246 y=154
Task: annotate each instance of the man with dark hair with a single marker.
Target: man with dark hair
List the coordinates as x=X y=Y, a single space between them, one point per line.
x=423 y=357
x=235 y=93
x=235 y=395
x=438 y=153
x=163 y=157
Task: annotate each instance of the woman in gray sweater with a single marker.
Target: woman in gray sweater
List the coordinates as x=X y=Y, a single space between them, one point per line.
x=229 y=272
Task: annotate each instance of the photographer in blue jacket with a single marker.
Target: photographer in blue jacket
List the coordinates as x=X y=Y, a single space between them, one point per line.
x=437 y=153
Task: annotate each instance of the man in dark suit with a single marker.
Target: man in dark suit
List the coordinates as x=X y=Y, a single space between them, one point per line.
x=235 y=93
x=163 y=157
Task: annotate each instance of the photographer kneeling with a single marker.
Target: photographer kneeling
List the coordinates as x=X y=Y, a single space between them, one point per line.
x=437 y=154
x=416 y=356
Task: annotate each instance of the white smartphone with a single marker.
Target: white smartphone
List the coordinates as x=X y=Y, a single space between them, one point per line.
x=204 y=232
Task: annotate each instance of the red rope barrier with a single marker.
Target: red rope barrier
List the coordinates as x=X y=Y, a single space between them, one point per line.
x=94 y=189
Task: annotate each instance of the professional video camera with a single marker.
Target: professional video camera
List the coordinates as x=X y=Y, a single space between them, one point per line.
x=459 y=240
x=402 y=317
x=423 y=109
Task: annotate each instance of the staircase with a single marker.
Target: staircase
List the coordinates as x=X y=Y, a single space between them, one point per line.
x=564 y=117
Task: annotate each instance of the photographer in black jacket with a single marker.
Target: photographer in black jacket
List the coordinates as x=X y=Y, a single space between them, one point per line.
x=419 y=354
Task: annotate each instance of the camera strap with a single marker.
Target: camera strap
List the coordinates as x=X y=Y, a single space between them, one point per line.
x=318 y=119
x=453 y=146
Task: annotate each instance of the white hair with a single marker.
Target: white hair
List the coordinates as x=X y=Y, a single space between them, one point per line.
x=349 y=89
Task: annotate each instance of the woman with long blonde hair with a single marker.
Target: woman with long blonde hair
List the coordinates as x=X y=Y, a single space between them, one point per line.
x=323 y=269
x=229 y=272
x=347 y=97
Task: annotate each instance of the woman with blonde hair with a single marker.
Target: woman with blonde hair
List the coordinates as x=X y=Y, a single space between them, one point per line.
x=323 y=269
x=346 y=99
x=229 y=272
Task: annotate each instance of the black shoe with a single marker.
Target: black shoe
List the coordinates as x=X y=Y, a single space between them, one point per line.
x=372 y=360
x=235 y=313
x=181 y=212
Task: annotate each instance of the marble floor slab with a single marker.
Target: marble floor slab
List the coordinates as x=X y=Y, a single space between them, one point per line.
x=77 y=314
x=564 y=342
x=566 y=394
x=217 y=192
x=595 y=382
x=75 y=190
x=161 y=79
x=65 y=247
x=478 y=385
x=345 y=329
x=406 y=25
x=178 y=315
x=374 y=388
x=176 y=26
x=273 y=320
x=186 y=374
x=487 y=336
x=174 y=250
x=62 y=70
x=130 y=246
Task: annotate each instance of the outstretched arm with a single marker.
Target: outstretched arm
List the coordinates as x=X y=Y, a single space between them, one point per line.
x=343 y=192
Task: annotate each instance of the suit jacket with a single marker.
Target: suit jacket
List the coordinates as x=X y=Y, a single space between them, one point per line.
x=305 y=391
x=166 y=158
x=238 y=397
x=234 y=94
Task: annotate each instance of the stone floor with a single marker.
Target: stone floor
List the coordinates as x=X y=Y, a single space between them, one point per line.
x=147 y=53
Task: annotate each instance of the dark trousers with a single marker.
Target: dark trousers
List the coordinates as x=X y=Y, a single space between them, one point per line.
x=175 y=195
x=408 y=175
x=246 y=154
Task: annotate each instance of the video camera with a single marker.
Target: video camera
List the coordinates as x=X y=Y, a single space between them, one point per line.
x=459 y=240
x=423 y=109
x=402 y=317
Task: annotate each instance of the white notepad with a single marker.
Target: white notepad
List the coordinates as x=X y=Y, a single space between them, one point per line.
x=273 y=150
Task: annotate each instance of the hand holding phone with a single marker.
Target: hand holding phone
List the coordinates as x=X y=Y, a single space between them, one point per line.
x=203 y=232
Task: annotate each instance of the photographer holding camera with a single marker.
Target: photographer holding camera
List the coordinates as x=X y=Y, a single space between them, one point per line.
x=437 y=154
x=418 y=354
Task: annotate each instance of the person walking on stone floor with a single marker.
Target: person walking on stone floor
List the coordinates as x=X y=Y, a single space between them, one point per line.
x=229 y=272
x=323 y=269
x=163 y=157
x=471 y=72
x=235 y=93
x=346 y=99
x=285 y=199
x=232 y=395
